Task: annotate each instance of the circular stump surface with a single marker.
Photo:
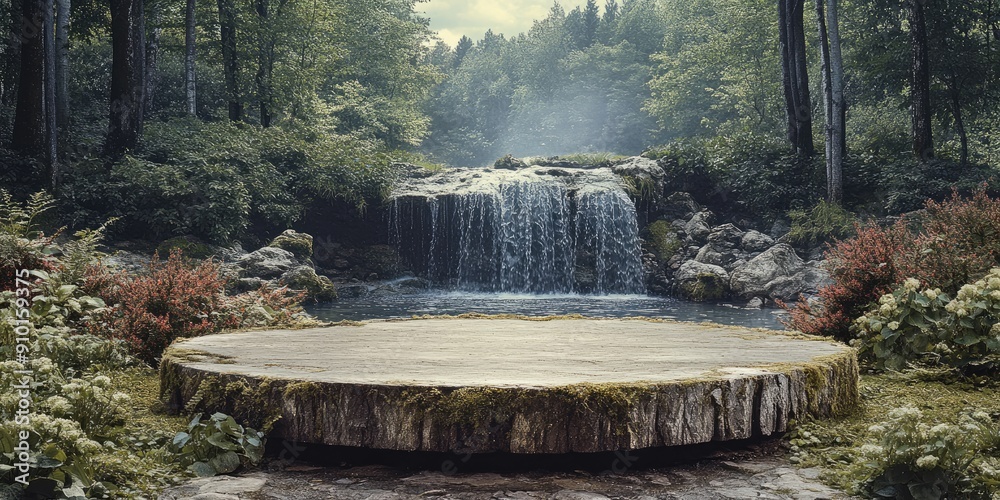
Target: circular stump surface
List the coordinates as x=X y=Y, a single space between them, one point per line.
x=482 y=385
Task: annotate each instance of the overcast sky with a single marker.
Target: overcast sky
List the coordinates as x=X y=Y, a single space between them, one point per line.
x=454 y=18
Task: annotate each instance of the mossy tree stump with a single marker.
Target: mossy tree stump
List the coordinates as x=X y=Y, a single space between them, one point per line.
x=485 y=385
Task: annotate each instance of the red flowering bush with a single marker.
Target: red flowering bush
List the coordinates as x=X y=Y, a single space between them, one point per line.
x=957 y=241
x=172 y=299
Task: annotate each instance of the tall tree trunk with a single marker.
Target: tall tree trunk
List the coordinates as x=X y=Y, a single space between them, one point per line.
x=62 y=63
x=128 y=71
x=839 y=135
x=795 y=73
x=29 y=116
x=786 y=73
x=833 y=97
x=51 y=131
x=152 y=55
x=920 y=83
x=265 y=61
x=955 y=91
x=12 y=55
x=230 y=59
x=189 y=59
x=824 y=51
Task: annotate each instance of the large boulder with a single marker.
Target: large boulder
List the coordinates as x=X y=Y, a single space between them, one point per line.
x=757 y=278
x=266 y=263
x=642 y=170
x=304 y=278
x=699 y=227
x=299 y=244
x=508 y=162
x=726 y=236
x=680 y=205
x=700 y=282
x=756 y=241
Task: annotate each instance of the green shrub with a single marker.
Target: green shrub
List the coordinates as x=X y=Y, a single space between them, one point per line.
x=824 y=223
x=956 y=243
x=744 y=173
x=223 y=181
x=910 y=459
x=217 y=445
x=912 y=325
x=663 y=240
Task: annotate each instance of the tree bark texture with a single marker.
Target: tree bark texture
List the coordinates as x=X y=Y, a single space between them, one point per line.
x=920 y=83
x=128 y=73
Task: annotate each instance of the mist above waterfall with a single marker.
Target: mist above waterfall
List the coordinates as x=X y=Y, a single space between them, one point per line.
x=534 y=230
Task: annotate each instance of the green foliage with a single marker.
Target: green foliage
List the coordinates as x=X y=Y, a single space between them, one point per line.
x=663 y=240
x=825 y=222
x=186 y=245
x=221 y=182
x=928 y=326
x=719 y=70
x=217 y=445
x=913 y=460
x=742 y=173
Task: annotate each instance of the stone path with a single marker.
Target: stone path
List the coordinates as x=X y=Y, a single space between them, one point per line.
x=759 y=478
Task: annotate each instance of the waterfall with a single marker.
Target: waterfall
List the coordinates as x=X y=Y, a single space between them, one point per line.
x=527 y=231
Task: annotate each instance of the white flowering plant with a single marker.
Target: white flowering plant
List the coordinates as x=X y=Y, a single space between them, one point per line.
x=907 y=458
x=912 y=325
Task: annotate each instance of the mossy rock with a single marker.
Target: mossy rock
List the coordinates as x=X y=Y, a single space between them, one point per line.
x=189 y=246
x=706 y=287
x=317 y=288
x=663 y=240
x=300 y=244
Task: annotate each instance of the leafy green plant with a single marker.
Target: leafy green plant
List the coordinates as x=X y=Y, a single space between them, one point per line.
x=824 y=223
x=218 y=445
x=912 y=325
x=663 y=240
x=912 y=460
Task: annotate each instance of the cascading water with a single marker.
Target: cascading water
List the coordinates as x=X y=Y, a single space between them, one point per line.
x=534 y=230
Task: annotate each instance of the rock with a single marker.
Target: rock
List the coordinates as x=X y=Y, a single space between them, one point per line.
x=700 y=282
x=318 y=288
x=754 y=278
x=130 y=262
x=779 y=229
x=299 y=244
x=803 y=283
x=698 y=228
x=411 y=171
x=680 y=205
x=508 y=162
x=266 y=263
x=216 y=488
x=755 y=303
x=756 y=241
x=726 y=236
x=645 y=175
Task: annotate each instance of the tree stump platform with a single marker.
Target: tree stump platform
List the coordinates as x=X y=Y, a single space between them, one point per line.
x=512 y=385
